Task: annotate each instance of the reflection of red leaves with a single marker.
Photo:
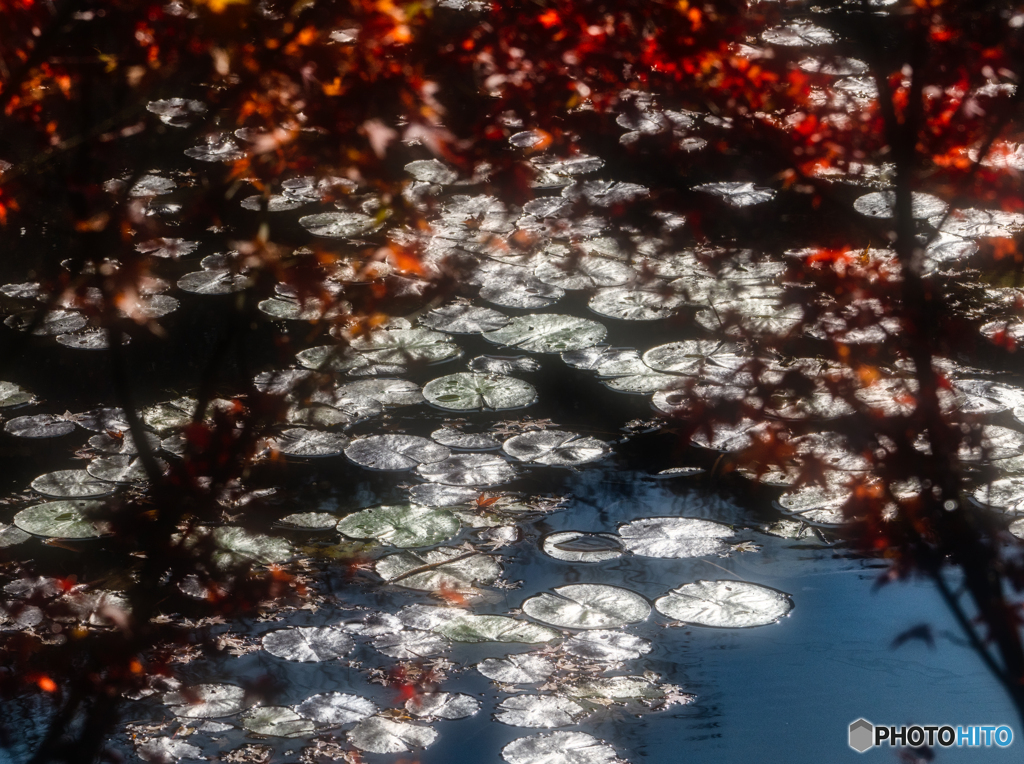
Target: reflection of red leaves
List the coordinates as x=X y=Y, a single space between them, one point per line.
x=452 y=596
x=549 y=18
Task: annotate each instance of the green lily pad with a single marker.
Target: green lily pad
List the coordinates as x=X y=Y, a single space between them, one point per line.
x=406 y=525
x=62 y=520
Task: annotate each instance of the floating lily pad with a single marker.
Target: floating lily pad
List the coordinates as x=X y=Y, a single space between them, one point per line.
x=309 y=443
x=162 y=750
x=560 y=748
x=588 y=606
x=468 y=392
x=1006 y=494
x=340 y=225
x=539 y=711
x=503 y=364
x=61 y=519
x=586 y=272
x=578 y=546
x=336 y=708
x=798 y=34
x=463 y=318
x=527 y=668
x=71 y=484
x=407 y=525
x=555 y=448
x=379 y=734
x=634 y=304
x=240 y=545
x=464 y=441
x=39 y=426
x=122 y=442
x=738 y=194
x=405 y=346
x=879 y=204
x=469 y=627
x=206 y=701
x=395 y=452
x=439 y=495
x=276 y=721
x=607 y=646
x=445 y=569
x=410 y=644
x=468 y=470
x=443 y=705
x=308 y=644
x=52 y=323
x=674 y=537
x=309 y=521
x=214 y=281
x=548 y=333
x=689 y=356
x=11 y=535
x=12 y=395
x=725 y=604
x=122 y=469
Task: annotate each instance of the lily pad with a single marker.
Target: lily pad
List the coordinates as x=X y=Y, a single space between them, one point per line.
x=206 y=701
x=738 y=194
x=463 y=318
x=276 y=721
x=443 y=705
x=309 y=521
x=445 y=569
x=725 y=604
x=468 y=470
x=548 y=333
x=61 y=519
x=379 y=734
x=340 y=225
x=539 y=711
x=309 y=443
x=469 y=627
x=607 y=646
x=588 y=606
x=214 y=281
x=578 y=546
x=240 y=545
x=466 y=391
x=458 y=440
x=71 y=484
x=527 y=668
x=336 y=708
x=122 y=469
x=674 y=537
x=634 y=304
x=308 y=644
x=555 y=448
x=39 y=426
x=395 y=452
x=407 y=525
x=12 y=395
x=405 y=346
x=410 y=644
x=879 y=204
x=560 y=748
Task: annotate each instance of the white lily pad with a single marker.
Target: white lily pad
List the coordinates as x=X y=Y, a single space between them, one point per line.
x=309 y=521
x=607 y=646
x=466 y=391
x=336 y=708
x=463 y=318
x=71 y=484
x=407 y=525
x=1006 y=494
x=440 y=495
x=39 y=426
x=725 y=604
x=122 y=442
x=443 y=705
x=12 y=395
x=548 y=333
x=308 y=644
x=555 y=448
x=737 y=194
x=798 y=34
x=11 y=535
x=206 y=701
x=340 y=225
x=53 y=322
x=470 y=627
x=276 y=721
x=545 y=711
x=588 y=606
x=379 y=734
x=560 y=748
x=458 y=440
x=674 y=537
x=214 y=281
x=240 y=545
x=162 y=750
x=527 y=668
x=405 y=346
x=879 y=204
x=445 y=569
x=503 y=364
x=121 y=468
x=586 y=272
x=410 y=644
x=689 y=356
x=308 y=443
x=395 y=452
x=61 y=519
x=468 y=470
x=578 y=546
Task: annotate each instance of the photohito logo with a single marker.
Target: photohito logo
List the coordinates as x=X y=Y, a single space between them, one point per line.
x=865 y=735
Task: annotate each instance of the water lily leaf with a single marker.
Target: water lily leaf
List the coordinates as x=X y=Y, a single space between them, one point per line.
x=689 y=356
x=617 y=689
x=555 y=448
x=122 y=469
x=308 y=443
x=879 y=204
x=469 y=627
x=1017 y=528
x=206 y=701
x=240 y=544
x=275 y=203
x=560 y=748
x=604 y=193
x=439 y=495
x=309 y=521
x=374 y=625
x=798 y=34
x=539 y=711
x=169 y=248
x=548 y=333
x=162 y=750
x=527 y=668
x=466 y=391
x=606 y=361
x=443 y=705
x=514 y=287
x=578 y=546
x=214 y=281
x=410 y=644
x=61 y=519
x=310 y=309
x=674 y=537
x=12 y=395
x=176 y=111
x=395 y=452
x=336 y=708
x=586 y=272
x=725 y=604
x=468 y=470
x=379 y=734
x=728 y=437
x=103 y=420
x=169 y=415
x=276 y=721
x=11 y=535
x=39 y=426
x=607 y=646
x=464 y=441
x=1006 y=494
x=308 y=644
x=340 y=225
x=737 y=194
x=53 y=322
x=445 y=569
x=406 y=525
x=71 y=484
x=634 y=303
x=588 y=606
x=405 y=346
x=974 y=223
x=463 y=318
x=503 y=364
x=122 y=442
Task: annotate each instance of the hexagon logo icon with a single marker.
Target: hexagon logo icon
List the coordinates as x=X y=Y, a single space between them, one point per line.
x=862 y=735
